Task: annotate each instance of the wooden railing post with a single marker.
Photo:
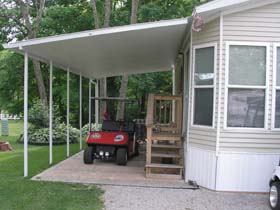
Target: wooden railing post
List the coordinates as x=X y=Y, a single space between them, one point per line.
x=149 y=145
x=149 y=125
x=179 y=112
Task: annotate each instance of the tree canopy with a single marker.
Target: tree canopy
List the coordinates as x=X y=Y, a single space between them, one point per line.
x=66 y=16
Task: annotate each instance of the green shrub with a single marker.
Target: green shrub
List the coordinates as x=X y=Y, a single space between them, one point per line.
x=40 y=136
x=38 y=133
x=94 y=127
x=38 y=115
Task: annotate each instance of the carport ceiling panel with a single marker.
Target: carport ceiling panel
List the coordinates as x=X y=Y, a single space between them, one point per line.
x=130 y=52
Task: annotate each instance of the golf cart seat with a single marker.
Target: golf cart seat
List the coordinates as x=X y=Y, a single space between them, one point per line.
x=114 y=126
x=110 y=125
x=129 y=128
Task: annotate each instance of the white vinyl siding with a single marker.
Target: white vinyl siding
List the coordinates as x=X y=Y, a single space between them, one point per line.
x=210 y=33
x=259 y=24
x=255 y=25
x=205 y=137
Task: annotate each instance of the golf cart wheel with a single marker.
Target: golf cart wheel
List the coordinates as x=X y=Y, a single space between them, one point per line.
x=122 y=156
x=88 y=155
x=274 y=196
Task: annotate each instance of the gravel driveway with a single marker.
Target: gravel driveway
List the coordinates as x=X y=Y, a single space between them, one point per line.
x=138 y=198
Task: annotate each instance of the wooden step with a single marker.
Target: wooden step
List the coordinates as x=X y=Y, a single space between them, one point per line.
x=166 y=137
x=164 y=176
x=170 y=129
x=155 y=165
x=166 y=146
x=165 y=155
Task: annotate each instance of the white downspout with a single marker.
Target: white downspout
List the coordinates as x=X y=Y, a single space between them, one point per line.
x=220 y=85
x=189 y=104
x=219 y=95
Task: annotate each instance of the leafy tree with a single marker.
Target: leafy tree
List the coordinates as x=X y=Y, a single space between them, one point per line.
x=66 y=16
x=27 y=17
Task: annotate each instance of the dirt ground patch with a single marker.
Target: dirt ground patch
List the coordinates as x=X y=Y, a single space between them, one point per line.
x=135 y=198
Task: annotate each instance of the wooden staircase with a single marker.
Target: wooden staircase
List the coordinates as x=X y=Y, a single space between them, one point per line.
x=164 y=158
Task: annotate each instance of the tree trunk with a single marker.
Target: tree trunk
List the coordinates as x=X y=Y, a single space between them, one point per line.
x=134 y=10
x=106 y=24
x=122 y=94
x=123 y=89
x=95 y=14
x=107 y=13
x=32 y=29
x=102 y=89
x=40 y=82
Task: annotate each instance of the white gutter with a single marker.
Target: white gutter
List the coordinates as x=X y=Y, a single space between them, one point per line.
x=218 y=4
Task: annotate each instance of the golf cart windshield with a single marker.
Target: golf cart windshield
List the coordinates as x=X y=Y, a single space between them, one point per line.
x=110 y=107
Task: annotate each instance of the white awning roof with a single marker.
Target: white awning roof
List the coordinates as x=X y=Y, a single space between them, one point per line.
x=132 y=49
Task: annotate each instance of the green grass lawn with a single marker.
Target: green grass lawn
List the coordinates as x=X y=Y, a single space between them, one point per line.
x=18 y=193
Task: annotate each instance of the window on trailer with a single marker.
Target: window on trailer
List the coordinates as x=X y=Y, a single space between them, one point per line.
x=246 y=86
x=277 y=89
x=204 y=64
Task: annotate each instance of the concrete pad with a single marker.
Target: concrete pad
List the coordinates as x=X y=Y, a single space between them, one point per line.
x=74 y=170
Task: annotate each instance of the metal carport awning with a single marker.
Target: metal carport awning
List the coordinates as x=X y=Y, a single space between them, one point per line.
x=132 y=49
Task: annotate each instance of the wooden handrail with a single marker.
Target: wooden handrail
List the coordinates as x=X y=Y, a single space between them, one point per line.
x=158 y=108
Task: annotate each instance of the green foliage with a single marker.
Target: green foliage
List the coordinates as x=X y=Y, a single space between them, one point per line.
x=150 y=12
x=38 y=115
x=66 y=16
x=94 y=127
x=40 y=136
x=38 y=133
x=11 y=82
x=140 y=86
x=59 y=19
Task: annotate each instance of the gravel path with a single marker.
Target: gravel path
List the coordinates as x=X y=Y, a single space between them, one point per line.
x=137 y=198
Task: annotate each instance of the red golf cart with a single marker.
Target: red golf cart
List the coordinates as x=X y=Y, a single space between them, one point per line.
x=116 y=140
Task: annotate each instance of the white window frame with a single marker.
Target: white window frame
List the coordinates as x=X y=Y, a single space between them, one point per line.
x=195 y=47
x=265 y=87
x=274 y=87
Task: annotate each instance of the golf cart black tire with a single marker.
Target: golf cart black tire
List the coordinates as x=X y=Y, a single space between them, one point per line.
x=121 y=156
x=277 y=185
x=88 y=155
